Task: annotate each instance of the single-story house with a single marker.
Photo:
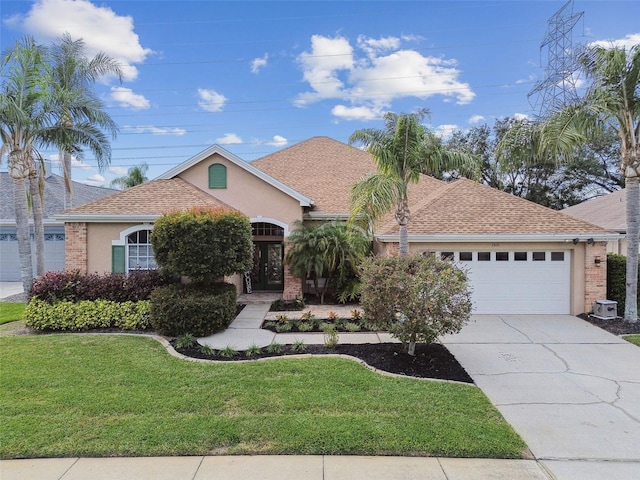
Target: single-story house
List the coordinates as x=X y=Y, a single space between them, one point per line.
x=521 y=257
x=609 y=212
x=54 y=237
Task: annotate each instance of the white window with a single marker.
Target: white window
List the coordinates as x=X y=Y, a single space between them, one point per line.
x=139 y=251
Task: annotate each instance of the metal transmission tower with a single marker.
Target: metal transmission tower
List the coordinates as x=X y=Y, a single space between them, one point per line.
x=558 y=87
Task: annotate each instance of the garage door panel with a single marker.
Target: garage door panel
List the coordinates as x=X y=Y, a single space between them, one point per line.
x=524 y=286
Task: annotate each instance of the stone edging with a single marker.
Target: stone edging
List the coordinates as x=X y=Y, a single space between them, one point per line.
x=169 y=348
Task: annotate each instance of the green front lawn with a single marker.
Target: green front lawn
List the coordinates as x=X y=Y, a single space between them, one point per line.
x=635 y=339
x=10 y=312
x=103 y=395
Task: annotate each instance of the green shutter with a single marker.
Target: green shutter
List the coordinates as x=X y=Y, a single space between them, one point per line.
x=117 y=259
x=217 y=176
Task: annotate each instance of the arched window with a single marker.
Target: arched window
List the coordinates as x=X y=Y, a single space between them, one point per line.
x=133 y=251
x=217 y=176
x=139 y=251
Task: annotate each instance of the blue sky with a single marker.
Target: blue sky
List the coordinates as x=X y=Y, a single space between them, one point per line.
x=255 y=77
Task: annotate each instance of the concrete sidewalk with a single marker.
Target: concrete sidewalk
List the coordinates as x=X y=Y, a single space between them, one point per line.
x=288 y=467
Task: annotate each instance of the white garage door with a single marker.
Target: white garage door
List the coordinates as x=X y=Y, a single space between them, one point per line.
x=519 y=282
x=10 y=260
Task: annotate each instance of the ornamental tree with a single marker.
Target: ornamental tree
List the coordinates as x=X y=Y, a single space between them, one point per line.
x=415 y=298
x=203 y=244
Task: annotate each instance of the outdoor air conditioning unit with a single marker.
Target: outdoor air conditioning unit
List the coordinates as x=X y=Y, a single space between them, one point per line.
x=605 y=309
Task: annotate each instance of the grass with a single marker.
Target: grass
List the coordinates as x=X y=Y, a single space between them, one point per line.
x=635 y=339
x=10 y=312
x=108 y=395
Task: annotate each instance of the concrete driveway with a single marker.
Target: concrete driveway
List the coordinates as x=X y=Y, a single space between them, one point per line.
x=571 y=390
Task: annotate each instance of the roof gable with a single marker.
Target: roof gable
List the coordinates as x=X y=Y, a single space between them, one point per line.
x=264 y=176
x=464 y=207
x=150 y=199
x=322 y=169
x=608 y=211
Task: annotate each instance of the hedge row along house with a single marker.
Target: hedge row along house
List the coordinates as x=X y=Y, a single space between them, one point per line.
x=522 y=258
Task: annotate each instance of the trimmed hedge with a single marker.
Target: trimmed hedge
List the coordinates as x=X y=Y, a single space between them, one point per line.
x=194 y=309
x=616 y=279
x=204 y=244
x=86 y=315
x=116 y=287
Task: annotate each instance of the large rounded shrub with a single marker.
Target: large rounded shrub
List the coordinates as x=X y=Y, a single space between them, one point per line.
x=196 y=309
x=204 y=244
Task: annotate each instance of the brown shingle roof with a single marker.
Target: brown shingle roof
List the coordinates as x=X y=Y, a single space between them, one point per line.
x=466 y=207
x=320 y=168
x=151 y=198
x=608 y=211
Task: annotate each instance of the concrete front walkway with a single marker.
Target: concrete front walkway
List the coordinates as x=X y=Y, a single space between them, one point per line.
x=571 y=390
x=271 y=467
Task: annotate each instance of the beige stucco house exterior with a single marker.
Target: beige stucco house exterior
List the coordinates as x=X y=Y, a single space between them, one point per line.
x=521 y=257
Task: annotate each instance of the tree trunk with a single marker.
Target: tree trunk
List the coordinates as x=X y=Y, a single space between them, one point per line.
x=402 y=217
x=38 y=223
x=66 y=170
x=633 y=234
x=412 y=345
x=19 y=172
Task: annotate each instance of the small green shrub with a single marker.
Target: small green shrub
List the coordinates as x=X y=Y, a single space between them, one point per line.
x=86 y=315
x=186 y=340
x=207 y=350
x=196 y=309
x=352 y=327
x=305 y=326
x=282 y=318
x=275 y=348
x=228 y=352
x=307 y=316
x=298 y=346
x=252 y=350
x=283 y=327
x=269 y=324
x=330 y=336
x=356 y=315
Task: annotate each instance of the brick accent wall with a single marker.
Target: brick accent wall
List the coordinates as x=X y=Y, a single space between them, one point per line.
x=75 y=247
x=595 y=274
x=292 y=285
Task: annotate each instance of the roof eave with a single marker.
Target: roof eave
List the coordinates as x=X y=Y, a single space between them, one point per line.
x=304 y=201
x=106 y=218
x=515 y=238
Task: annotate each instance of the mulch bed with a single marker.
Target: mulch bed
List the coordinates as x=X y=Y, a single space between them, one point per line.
x=431 y=361
x=617 y=326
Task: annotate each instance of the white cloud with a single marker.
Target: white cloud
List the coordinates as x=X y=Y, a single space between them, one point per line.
x=357 y=113
x=476 y=119
x=128 y=99
x=96 y=180
x=521 y=116
x=445 y=131
x=259 y=63
x=380 y=74
x=627 y=42
x=118 y=170
x=101 y=29
x=156 y=130
x=229 y=139
x=76 y=163
x=277 y=141
x=210 y=100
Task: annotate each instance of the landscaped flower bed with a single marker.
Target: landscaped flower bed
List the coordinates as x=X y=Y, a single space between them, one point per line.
x=343 y=319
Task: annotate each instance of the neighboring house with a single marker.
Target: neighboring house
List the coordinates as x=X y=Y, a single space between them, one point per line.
x=54 y=236
x=608 y=211
x=521 y=257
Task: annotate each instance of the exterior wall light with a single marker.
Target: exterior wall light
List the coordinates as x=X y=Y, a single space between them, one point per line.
x=598 y=261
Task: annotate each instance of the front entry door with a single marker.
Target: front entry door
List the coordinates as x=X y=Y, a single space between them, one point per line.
x=268 y=271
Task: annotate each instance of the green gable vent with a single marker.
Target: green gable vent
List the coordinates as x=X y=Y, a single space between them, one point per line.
x=217 y=176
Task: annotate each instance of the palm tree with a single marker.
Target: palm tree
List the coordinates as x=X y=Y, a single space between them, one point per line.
x=612 y=101
x=403 y=150
x=72 y=78
x=322 y=251
x=23 y=118
x=135 y=176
